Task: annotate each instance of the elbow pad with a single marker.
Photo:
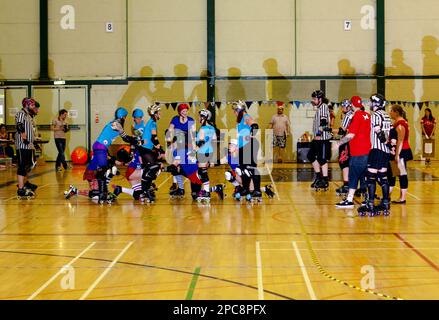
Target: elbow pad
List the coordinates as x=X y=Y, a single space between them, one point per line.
x=323 y=122
x=341 y=132
x=155 y=140
x=200 y=143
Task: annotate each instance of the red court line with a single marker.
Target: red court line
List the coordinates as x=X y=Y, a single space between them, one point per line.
x=407 y=244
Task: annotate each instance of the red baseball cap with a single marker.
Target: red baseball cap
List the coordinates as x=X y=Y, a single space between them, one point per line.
x=356 y=102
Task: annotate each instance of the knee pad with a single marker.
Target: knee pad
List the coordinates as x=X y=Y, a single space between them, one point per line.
x=172 y=169
x=93 y=193
x=382 y=178
x=202 y=173
x=229 y=176
x=404 y=182
x=150 y=172
x=371 y=177
x=111 y=172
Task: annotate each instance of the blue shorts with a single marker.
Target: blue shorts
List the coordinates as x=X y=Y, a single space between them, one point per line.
x=357 y=170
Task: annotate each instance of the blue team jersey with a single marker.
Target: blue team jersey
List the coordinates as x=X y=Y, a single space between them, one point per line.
x=135 y=163
x=140 y=128
x=186 y=127
x=209 y=133
x=147 y=134
x=108 y=134
x=243 y=132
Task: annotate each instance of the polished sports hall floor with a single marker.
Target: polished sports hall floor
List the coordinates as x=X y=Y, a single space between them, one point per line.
x=295 y=246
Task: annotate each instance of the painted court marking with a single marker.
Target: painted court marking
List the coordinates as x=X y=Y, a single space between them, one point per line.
x=103 y=274
x=44 y=286
x=304 y=272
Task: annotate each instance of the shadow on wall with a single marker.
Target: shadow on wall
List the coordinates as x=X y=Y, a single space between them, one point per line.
x=430 y=45
x=404 y=90
x=235 y=91
x=348 y=87
x=137 y=90
x=279 y=89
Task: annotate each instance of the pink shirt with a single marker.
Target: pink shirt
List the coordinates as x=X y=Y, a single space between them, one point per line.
x=280 y=124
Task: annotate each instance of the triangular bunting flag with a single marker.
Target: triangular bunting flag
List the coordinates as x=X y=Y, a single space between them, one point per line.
x=218 y=104
x=174 y=105
x=248 y=104
x=419 y=104
x=427 y=103
x=297 y=103
x=259 y=102
x=157 y=103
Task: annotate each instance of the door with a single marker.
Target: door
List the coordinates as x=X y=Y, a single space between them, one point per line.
x=53 y=99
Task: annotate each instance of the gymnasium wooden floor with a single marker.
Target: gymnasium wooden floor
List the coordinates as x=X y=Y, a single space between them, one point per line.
x=295 y=247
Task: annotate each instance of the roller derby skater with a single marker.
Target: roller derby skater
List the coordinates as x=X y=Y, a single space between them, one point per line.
x=248 y=147
x=358 y=138
x=24 y=143
x=378 y=157
x=320 y=151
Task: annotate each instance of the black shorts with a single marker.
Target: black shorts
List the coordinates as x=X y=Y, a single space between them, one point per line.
x=406 y=154
x=25 y=161
x=344 y=156
x=378 y=159
x=320 y=150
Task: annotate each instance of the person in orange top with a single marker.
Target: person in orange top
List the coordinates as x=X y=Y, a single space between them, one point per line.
x=403 y=152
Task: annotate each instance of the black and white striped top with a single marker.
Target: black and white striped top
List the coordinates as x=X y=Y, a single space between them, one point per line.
x=24 y=117
x=380 y=120
x=322 y=112
x=347 y=119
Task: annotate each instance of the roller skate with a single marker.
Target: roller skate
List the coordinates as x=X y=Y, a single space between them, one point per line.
x=203 y=197
x=238 y=193
x=342 y=191
x=25 y=194
x=322 y=184
x=384 y=208
x=269 y=191
x=368 y=209
x=256 y=197
x=71 y=192
x=219 y=189
x=147 y=197
x=173 y=188
x=111 y=197
x=30 y=186
x=154 y=187
x=176 y=194
x=317 y=177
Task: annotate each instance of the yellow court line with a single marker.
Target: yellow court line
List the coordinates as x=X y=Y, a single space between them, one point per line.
x=317 y=263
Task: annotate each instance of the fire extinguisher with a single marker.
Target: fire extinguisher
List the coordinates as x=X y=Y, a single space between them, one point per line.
x=97 y=117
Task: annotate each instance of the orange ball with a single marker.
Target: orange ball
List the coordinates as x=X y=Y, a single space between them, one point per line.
x=79 y=156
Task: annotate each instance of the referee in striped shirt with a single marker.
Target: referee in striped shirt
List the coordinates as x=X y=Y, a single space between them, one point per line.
x=320 y=151
x=24 y=144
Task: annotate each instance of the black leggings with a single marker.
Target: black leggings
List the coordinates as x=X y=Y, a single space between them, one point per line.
x=61 y=147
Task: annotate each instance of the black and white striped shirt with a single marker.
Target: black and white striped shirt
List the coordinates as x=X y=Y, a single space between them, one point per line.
x=347 y=119
x=26 y=119
x=380 y=121
x=322 y=112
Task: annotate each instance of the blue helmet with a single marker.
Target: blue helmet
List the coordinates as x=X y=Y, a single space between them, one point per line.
x=120 y=113
x=137 y=113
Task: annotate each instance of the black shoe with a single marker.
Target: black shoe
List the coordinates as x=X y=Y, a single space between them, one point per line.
x=269 y=191
x=219 y=189
x=117 y=190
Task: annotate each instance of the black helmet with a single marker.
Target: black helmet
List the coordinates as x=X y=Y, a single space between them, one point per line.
x=318 y=94
x=377 y=101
